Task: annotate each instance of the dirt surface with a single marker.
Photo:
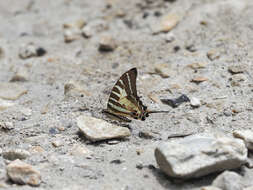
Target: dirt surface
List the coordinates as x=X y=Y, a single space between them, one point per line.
x=217 y=33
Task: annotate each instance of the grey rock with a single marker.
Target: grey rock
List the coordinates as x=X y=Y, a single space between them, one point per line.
x=228 y=181
x=14 y=154
x=237 y=79
x=22 y=173
x=71 y=35
x=199 y=155
x=246 y=136
x=11 y=91
x=87 y=31
x=96 y=129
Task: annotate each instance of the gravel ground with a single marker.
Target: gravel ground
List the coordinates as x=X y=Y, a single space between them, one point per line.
x=215 y=34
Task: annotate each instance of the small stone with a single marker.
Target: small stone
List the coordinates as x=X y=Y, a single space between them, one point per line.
x=117 y=161
x=71 y=35
x=5 y=104
x=199 y=79
x=37 y=149
x=11 y=91
x=191 y=48
x=235 y=69
x=145 y=135
x=228 y=181
x=164 y=70
x=197 y=65
x=22 y=173
x=107 y=43
x=213 y=54
x=80 y=150
x=195 y=102
x=57 y=143
x=198 y=155
x=26 y=111
x=27 y=51
x=74 y=89
x=80 y=23
x=139 y=166
x=30 y=50
x=246 y=136
x=6 y=126
x=210 y=188
x=45 y=109
x=14 y=154
x=167 y=23
x=21 y=75
x=237 y=79
x=96 y=129
x=169 y=37
x=87 y=32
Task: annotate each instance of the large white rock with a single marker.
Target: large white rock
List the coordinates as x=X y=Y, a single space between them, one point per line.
x=199 y=155
x=97 y=129
x=246 y=136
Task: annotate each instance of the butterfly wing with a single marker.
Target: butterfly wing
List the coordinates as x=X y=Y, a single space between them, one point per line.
x=122 y=100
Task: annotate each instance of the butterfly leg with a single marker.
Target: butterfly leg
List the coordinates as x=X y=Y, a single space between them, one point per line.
x=115 y=116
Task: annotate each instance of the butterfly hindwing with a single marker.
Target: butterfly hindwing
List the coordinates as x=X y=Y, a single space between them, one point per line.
x=122 y=100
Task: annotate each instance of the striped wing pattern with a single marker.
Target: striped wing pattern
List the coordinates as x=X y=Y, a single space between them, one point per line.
x=123 y=99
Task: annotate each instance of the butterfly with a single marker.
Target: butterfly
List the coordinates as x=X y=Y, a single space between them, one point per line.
x=124 y=102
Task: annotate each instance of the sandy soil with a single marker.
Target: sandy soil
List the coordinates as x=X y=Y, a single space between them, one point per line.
x=220 y=28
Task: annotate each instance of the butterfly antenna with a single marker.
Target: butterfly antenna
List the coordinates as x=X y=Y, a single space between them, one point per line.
x=158 y=111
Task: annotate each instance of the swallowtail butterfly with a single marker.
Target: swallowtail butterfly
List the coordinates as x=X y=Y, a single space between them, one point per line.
x=124 y=102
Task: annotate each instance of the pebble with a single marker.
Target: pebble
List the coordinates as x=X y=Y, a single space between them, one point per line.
x=199 y=79
x=198 y=155
x=22 y=173
x=71 y=35
x=197 y=65
x=163 y=69
x=146 y=135
x=36 y=149
x=97 y=129
x=74 y=89
x=235 y=69
x=14 y=154
x=57 y=143
x=228 y=180
x=237 y=79
x=167 y=23
x=4 y=104
x=87 y=32
x=21 y=75
x=213 y=54
x=246 y=135
x=195 y=102
x=79 y=23
x=170 y=37
x=11 y=91
x=107 y=43
x=6 y=126
x=30 y=50
x=80 y=150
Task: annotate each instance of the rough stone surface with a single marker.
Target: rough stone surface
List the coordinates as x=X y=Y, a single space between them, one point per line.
x=246 y=136
x=11 y=91
x=14 y=154
x=22 y=173
x=96 y=129
x=199 y=155
x=228 y=181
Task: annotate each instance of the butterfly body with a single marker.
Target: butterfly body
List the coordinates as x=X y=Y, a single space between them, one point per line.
x=124 y=102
